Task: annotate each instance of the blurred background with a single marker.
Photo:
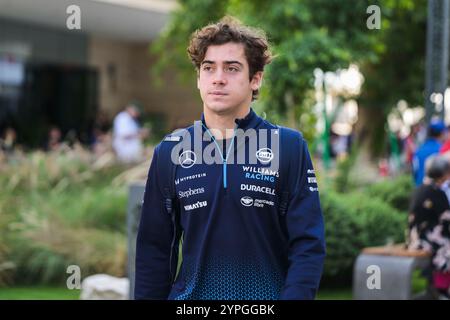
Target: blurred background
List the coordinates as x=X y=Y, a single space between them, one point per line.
x=363 y=80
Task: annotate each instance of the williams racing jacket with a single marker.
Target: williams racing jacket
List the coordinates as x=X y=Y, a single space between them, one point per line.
x=240 y=239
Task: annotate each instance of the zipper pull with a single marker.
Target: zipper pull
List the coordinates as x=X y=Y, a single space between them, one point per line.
x=225 y=174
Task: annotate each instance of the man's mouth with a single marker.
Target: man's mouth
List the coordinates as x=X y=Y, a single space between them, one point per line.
x=218 y=93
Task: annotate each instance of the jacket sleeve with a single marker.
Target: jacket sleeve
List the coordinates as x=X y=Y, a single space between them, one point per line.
x=154 y=239
x=305 y=226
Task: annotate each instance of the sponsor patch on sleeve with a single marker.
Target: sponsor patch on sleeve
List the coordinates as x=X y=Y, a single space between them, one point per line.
x=312 y=181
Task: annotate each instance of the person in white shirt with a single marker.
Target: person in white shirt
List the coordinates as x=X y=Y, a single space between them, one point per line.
x=128 y=135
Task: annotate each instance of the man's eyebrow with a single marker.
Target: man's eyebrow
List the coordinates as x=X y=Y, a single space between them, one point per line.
x=233 y=62
x=225 y=62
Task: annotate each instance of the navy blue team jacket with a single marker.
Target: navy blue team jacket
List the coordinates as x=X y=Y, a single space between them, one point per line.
x=236 y=245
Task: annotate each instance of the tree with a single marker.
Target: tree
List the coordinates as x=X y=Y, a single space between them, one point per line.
x=309 y=34
x=398 y=72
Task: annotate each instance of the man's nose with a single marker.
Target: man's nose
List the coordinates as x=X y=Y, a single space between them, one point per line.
x=219 y=77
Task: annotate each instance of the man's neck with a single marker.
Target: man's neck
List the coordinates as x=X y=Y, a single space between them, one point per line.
x=223 y=125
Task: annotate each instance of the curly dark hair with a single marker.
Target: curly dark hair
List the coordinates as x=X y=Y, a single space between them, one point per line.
x=229 y=29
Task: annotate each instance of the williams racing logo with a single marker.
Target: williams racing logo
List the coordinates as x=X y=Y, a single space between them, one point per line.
x=263 y=174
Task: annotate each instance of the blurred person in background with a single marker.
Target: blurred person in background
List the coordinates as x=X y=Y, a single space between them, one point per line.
x=410 y=146
x=445 y=152
x=445 y=148
x=8 y=141
x=128 y=135
x=429 y=222
x=100 y=138
x=54 y=139
x=432 y=145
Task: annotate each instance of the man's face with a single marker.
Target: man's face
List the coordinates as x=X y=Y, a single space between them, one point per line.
x=223 y=79
x=55 y=134
x=133 y=112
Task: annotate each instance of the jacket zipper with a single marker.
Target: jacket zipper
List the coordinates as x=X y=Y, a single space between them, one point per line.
x=224 y=160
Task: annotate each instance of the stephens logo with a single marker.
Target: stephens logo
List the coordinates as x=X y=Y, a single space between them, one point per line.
x=264 y=155
x=187 y=159
x=247 y=201
x=190 y=192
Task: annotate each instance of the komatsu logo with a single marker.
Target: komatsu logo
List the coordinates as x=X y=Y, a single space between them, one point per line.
x=198 y=204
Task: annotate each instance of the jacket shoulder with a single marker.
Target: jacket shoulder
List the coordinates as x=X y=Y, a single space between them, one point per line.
x=177 y=135
x=290 y=132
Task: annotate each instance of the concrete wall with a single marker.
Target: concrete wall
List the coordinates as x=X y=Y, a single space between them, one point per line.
x=42 y=44
x=124 y=69
x=125 y=74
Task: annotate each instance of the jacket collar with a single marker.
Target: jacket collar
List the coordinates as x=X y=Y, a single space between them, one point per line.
x=251 y=120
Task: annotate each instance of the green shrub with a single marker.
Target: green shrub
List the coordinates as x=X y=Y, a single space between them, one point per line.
x=342 y=181
x=43 y=247
x=94 y=206
x=344 y=235
x=60 y=209
x=382 y=223
x=37 y=264
x=6 y=266
x=105 y=209
x=352 y=222
x=396 y=192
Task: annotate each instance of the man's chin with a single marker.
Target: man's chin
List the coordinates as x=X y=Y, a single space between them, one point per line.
x=220 y=108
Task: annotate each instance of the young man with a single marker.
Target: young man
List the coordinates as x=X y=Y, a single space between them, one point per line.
x=251 y=228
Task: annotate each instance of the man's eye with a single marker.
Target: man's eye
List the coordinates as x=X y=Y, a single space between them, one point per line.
x=207 y=68
x=233 y=69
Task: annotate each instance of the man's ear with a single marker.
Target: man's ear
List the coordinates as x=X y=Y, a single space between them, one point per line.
x=257 y=80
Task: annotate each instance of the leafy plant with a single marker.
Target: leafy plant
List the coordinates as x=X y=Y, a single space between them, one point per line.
x=352 y=222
